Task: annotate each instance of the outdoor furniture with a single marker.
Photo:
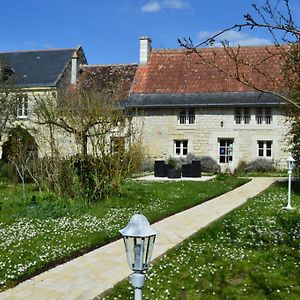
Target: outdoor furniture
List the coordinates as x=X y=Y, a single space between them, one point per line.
x=174 y=173
x=160 y=168
x=192 y=170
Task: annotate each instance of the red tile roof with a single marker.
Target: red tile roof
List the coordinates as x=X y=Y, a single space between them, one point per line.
x=176 y=71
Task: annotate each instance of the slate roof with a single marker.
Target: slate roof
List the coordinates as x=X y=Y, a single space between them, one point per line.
x=164 y=100
x=37 y=68
x=175 y=71
x=118 y=77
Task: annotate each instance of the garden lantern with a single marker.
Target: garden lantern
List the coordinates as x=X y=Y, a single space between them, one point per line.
x=290 y=165
x=139 y=240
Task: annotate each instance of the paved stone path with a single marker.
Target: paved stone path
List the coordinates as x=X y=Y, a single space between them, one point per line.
x=95 y=272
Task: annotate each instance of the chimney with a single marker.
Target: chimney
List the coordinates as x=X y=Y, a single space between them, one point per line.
x=145 y=49
x=74 y=67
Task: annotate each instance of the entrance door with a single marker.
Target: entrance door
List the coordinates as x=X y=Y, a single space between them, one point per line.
x=225 y=151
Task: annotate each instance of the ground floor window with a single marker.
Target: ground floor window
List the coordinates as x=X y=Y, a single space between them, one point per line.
x=22 y=110
x=181 y=148
x=264 y=148
x=225 y=150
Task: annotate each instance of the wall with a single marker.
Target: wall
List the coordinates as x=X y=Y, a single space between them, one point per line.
x=160 y=129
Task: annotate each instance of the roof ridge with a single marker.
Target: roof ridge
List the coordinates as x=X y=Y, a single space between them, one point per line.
x=107 y=65
x=212 y=48
x=41 y=50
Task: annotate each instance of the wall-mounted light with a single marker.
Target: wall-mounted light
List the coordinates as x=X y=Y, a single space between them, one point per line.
x=222 y=123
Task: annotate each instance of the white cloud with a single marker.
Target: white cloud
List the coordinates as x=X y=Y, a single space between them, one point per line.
x=155 y=6
x=152 y=6
x=234 y=38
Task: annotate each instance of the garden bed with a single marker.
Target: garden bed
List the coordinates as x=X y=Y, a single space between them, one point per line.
x=252 y=253
x=41 y=231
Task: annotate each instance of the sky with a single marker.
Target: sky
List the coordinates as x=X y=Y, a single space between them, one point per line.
x=109 y=30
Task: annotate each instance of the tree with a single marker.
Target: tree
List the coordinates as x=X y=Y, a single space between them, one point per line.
x=108 y=147
x=9 y=97
x=19 y=150
x=278 y=18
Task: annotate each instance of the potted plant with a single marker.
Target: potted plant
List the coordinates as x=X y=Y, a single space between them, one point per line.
x=173 y=171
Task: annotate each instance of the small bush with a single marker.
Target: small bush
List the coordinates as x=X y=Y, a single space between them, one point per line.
x=147 y=165
x=8 y=171
x=209 y=165
x=260 y=165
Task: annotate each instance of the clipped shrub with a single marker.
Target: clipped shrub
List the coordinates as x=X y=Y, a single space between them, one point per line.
x=147 y=165
x=209 y=165
x=260 y=165
x=190 y=157
x=172 y=163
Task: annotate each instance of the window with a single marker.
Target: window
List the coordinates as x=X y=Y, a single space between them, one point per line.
x=187 y=116
x=181 y=148
x=225 y=150
x=242 y=116
x=238 y=116
x=259 y=116
x=268 y=115
x=264 y=149
x=22 y=110
x=247 y=116
x=264 y=115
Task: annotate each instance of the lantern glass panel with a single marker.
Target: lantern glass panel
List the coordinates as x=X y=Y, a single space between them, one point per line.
x=149 y=243
x=135 y=252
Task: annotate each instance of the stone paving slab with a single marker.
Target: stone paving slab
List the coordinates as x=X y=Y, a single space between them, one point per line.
x=92 y=274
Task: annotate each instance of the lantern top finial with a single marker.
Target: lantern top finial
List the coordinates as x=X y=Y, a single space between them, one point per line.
x=138 y=226
x=290 y=159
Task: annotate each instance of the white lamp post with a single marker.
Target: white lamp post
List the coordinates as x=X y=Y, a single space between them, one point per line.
x=290 y=165
x=139 y=240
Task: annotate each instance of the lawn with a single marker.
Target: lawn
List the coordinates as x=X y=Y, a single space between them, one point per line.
x=41 y=230
x=252 y=253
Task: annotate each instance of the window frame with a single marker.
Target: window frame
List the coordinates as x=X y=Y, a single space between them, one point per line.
x=266 y=116
x=242 y=115
x=183 y=146
x=228 y=150
x=22 y=108
x=265 y=148
x=187 y=116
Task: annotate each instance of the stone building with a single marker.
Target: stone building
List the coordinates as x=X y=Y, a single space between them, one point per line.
x=40 y=73
x=189 y=106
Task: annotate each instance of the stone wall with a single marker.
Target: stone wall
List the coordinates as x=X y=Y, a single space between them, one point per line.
x=161 y=127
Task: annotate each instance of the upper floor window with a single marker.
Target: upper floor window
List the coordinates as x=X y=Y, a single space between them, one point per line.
x=181 y=148
x=263 y=115
x=187 y=116
x=242 y=115
x=264 y=149
x=22 y=109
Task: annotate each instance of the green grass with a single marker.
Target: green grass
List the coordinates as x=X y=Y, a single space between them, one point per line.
x=41 y=231
x=252 y=253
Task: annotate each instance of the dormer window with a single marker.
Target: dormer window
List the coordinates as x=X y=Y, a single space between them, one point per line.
x=6 y=73
x=22 y=110
x=186 y=116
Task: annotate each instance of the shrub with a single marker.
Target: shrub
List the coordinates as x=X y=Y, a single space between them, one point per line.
x=147 y=165
x=209 y=165
x=260 y=165
x=172 y=163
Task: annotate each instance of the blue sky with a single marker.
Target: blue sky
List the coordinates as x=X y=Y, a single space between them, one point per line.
x=109 y=30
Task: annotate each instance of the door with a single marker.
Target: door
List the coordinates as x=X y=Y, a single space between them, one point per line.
x=225 y=151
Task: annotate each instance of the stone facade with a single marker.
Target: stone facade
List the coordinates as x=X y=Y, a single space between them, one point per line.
x=161 y=129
